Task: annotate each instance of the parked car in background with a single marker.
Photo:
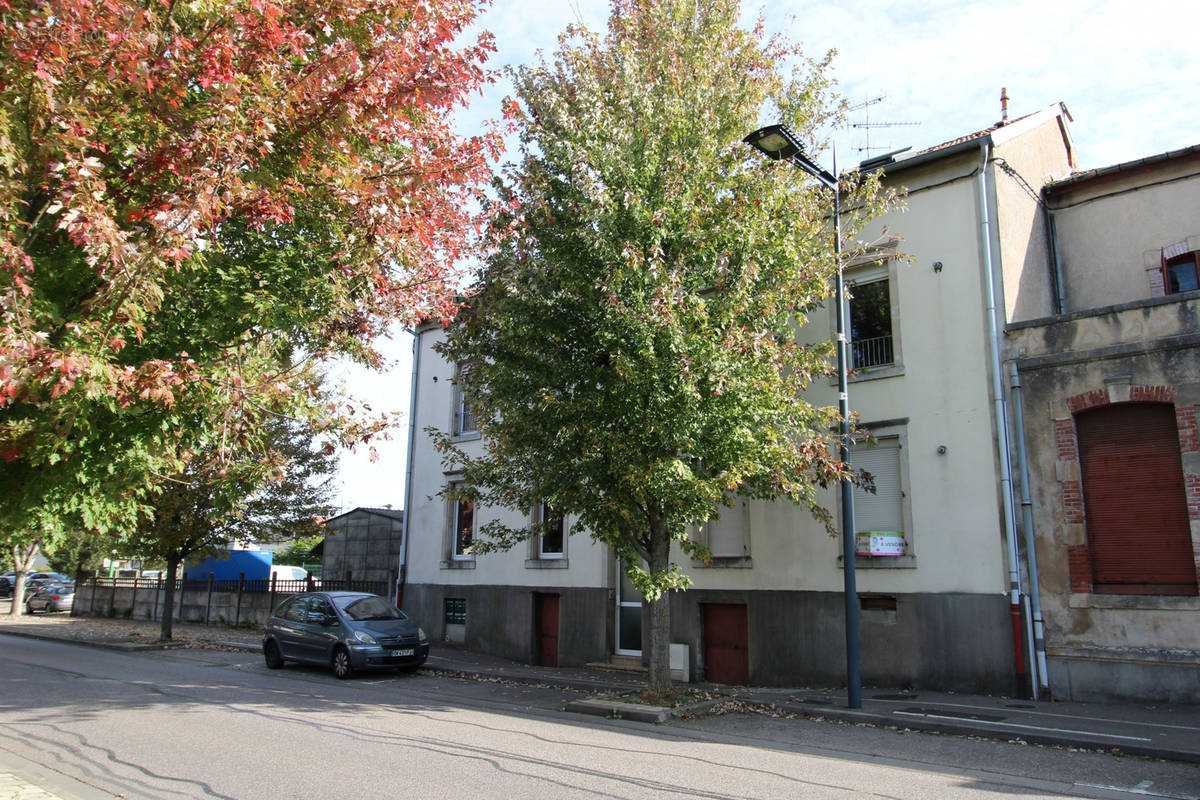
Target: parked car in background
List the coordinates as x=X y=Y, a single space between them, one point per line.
x=50 y=596
x=285 y=572
x=347 y=631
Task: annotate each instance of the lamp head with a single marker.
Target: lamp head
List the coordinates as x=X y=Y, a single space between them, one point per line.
x=775 y=142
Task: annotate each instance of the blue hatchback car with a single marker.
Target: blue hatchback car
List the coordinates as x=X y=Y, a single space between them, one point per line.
x=348 y=631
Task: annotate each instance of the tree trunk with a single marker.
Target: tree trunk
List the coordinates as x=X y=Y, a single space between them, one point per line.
x=168 y=613
x=659 y=678
x=22 y=560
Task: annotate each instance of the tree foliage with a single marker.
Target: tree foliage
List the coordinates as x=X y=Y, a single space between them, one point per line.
x=197 y=202
x=214 y=502
x=630 y=351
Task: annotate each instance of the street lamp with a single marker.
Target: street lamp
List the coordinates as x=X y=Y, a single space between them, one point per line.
x=780 y=144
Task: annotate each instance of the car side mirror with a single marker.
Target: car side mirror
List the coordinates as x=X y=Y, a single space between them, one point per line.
x=329 y=620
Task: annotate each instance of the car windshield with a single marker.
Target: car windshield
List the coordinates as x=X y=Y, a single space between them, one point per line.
x=369 y=607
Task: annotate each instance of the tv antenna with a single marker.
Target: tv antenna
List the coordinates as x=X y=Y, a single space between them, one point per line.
x=866 y=125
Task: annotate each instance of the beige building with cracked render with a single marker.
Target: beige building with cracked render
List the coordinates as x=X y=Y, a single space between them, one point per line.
x=1110 y=385
x=969 y=259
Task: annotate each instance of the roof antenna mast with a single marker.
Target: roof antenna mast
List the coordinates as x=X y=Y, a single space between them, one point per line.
x=866 y=125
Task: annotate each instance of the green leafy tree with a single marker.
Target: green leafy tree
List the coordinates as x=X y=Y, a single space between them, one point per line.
x=80 y=552
x=630 y=350
x=214 y=501
x=298 y=552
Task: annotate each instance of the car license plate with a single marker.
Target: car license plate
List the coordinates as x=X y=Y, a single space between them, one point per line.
x=407 y=652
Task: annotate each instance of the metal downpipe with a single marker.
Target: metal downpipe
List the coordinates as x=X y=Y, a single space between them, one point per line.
x=1001 y=416
x=1035 y=590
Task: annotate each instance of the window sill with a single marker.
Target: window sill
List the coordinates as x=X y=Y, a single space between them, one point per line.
x=459 y=563
x=875 y=373
x=726 y=562
x=882 y=562
x=546 y=563
x=1139 y=602
x=466 y=437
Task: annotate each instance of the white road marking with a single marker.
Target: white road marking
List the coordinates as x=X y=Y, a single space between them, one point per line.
x=1018 y=725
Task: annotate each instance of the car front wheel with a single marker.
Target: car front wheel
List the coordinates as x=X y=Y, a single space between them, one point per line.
x=342 y=667
x=271 y=655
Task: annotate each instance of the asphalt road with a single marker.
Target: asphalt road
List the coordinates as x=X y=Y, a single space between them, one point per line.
x=90 y=723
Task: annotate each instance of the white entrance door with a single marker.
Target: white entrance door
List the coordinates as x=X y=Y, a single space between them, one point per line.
x=629 y=617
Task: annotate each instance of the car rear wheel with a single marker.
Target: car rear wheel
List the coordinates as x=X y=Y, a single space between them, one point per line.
x=342 y=667
x=271 y=655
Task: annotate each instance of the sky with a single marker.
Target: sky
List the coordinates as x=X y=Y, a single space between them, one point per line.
x=921 y=73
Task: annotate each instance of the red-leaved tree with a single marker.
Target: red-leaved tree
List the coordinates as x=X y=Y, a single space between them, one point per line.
x=197 y=202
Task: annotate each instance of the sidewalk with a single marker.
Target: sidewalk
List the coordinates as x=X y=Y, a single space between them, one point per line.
x=1170 y=732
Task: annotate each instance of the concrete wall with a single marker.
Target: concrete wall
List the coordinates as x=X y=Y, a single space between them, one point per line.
x=1112 y=228
x=192 y=604
x=1105 y=646
x=947 y=641
x=500 y=619
x=1026 y=155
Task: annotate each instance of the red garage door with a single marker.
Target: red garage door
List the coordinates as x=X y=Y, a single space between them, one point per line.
x=1134 y=501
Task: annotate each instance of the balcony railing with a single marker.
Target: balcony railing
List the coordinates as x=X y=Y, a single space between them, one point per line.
x=876 y=352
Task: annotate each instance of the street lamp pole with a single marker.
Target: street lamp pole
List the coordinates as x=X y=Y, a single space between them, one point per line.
x=778 y=143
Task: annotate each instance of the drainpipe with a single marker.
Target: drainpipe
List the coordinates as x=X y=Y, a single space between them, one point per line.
x=1035 y=590
x=408 y=467
x=1056 y=276
x=1001 y=417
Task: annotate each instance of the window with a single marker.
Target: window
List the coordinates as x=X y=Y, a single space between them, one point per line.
x=871 y=324
x=293 y=610
x=464 y=420
x=464 y=528
x=551 y=539
x=1180 y=274
x=319 y=610
x=728 y=538
x=886 y=513
x=884 y=509
x=1135 y=504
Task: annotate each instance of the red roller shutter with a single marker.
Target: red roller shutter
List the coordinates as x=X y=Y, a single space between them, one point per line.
x=1134 y=500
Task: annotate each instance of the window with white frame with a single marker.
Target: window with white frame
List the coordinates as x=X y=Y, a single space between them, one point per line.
x=551 y=538
x=460 y=534
x=464 y=420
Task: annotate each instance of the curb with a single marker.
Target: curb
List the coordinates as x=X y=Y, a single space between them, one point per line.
x=127 y=647
x=993 y=730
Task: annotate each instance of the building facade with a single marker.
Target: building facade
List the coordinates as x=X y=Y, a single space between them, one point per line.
x=929 y=306
x=1110 y=385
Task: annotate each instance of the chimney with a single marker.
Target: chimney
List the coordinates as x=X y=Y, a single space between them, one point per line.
x=1003 y=105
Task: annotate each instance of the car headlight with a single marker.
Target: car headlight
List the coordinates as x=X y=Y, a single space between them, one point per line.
x=365 y=637
x=421 y=635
